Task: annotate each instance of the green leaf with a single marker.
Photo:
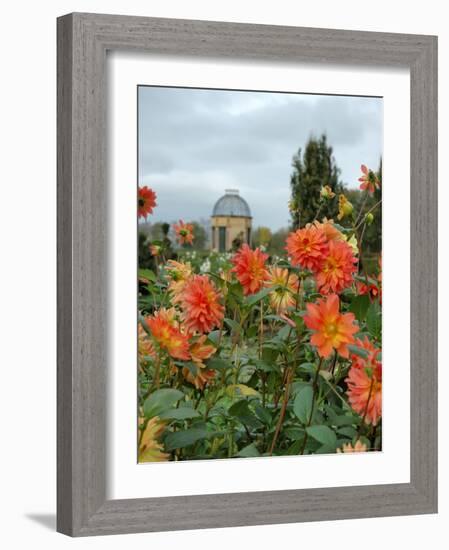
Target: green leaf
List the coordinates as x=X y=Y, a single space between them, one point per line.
x=295 y=448
x=244 y=414
x=241 y=389
x=184 y=438
x=183 y=413
x=348 y=431
x=302 y=406
x=362 y=279
x=254 y=298
x=374 y=320
x=161 y=400
x=249 y=451
x=325 y=374
x=147 y=274
x=274 y=318
x=359 y=306
x=233 y=325
x=217 y=363
x=326 y=449
x=294 y=433
x=331 y=413
x=323 y=434
x=341 y=228
x=358 y=351
x=298 y=386
x=344 y=420
x=297 y=317
x=240 y=408
x=274 y=345
x=285 y=332
x=263 y=414
x=214 y=337
x=269 y=353
x=266 y=366
x=283 y=263
x=252 y=331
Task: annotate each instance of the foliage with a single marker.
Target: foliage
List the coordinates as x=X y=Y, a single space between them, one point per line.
x=313 y=169
x=273 y=243
x=262 y=237
x=248 y=355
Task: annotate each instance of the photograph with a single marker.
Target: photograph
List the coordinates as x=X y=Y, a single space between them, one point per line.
x=259 y=291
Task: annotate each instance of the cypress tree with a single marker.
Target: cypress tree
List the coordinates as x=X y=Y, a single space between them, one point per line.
x=313 y=168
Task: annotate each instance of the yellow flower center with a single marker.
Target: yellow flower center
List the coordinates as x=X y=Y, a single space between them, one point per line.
x=331 y=330
x=330 y=265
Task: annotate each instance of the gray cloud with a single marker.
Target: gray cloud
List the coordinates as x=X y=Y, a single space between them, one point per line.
x=193 y=144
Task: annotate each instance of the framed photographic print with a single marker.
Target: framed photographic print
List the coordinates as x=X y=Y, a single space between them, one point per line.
x=247 y=235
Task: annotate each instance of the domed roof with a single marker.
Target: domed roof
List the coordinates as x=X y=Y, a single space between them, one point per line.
x=232 y=204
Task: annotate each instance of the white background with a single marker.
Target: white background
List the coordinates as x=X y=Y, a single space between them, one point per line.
x=27 y=218
x=131 y=480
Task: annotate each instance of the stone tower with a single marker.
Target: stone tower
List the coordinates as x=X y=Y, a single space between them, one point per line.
x=230 y=220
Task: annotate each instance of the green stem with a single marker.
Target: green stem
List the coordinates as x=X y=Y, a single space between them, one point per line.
x=264 y=389
x=157 y=372
x=283 y=409
x=365 y=198
x=315 y=388
x=319 y=209
x=358 y=223
x=334 y=363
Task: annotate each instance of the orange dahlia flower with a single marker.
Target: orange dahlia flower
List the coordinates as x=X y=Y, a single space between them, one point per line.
x=331 y=329
x=371 y=289
x=199 y=351
x=371 y=350
x=307 y=247
x=369 y=180
x=337 y=268
x=178 y=273
x=285 y=286
x=200 y=304
x=329 y=229
x=146 y=201
x=184 y=232
x=167 y=335
x=365 y=383
x=250 y=270
x=359 y=447
x=150 y=450
x=145 y=345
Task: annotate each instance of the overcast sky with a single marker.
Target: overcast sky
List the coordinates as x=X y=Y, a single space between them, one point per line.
x=194 y=144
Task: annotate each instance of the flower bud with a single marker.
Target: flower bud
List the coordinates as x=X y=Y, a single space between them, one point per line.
x=155 y=249
x=345 y=208
x=326 y=193
x=369 y=218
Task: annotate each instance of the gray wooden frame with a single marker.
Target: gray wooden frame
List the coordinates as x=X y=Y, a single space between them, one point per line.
x=83 y=40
